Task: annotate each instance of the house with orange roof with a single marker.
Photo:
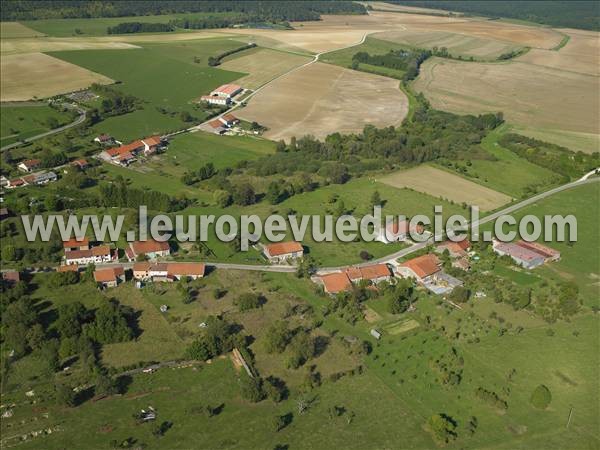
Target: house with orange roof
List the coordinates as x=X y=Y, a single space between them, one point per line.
x=422 y=268
x=336 y=282
x=279 y=252
x=457 y=249
x=11 y=276
x=80 y=163
x=101 y=254
x=216 y=100
x=68 y=268
x=151 y=249
x=398 y=231
x=217 y=126
x=29 y=165
x=153 y=271
x=110 y=277
x=82 y=243
x=152 y=144
x=375 y=273
x=229 y=120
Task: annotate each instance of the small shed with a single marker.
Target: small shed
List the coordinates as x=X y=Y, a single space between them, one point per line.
x=376 y=334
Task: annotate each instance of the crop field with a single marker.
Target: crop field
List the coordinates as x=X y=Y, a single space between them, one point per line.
x=527 y=94
x=98 y=26
x=261 y=65
x=458 y=44
x=19 y=122
x=320 y=99
x=150 y=73
x=9 y=30
x=442 y=184
x=36 y=75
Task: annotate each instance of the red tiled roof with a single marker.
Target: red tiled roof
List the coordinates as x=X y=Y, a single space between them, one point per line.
x=17 y=182
x=142 y=266
x=229 y=117
x=74 y=242
x=68 y=268
x=540 y=249
x=458 y=248
x=336 y=282
x=101 y=250
x=11 y=275
x=423 y=266
x=375 y=271
x=186 y=268
x=104 y=138
x=283 y=248
x=116 y=151
x=107 y=275
x=125 y=156
x=29 y=163
x=150 y=246
x=227 y=89
x=152 y=141
x=216 y=124
x=516 y=251
x=79 y=162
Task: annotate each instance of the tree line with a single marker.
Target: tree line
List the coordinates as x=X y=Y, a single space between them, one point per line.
x=265 y=10
x=407 y=61
x=140 y=27
x=216 y=60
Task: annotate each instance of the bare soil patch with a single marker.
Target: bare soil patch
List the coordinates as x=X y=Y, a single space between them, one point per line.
x=321 y=99
x=439 y=183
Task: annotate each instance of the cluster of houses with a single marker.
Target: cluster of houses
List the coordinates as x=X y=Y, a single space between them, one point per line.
x=35 y=177
x=123 y=155
x=223 y=95
x=526 y=254
x=400 y=231
x=342 y=281
x=223 y=123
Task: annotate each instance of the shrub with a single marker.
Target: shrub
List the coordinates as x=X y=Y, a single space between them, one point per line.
x=541 y=397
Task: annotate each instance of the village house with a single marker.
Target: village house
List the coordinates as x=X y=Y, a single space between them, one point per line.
x=68 y=268
x=101 y=254
x=229 y=120
x=104 y=139
x=81 y=164
x=548 y=253
x=110 y=277
x=398 y=231
x=336 y=282
x=455 y=249
x=15 y=183
x=29 y=165
x=421 y=268
x=375 y=273
x=11 y=277
x=217 y=126
x=76 y=244
x=153 y=271
x=283 y=251
x=150 y=249
x=126 y=154
x=42 y=178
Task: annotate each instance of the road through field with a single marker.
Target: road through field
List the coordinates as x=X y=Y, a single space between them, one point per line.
x=79 y=120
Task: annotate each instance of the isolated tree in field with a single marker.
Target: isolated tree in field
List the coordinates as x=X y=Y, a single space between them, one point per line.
x=442 y=427
x=460 y=294
x=251 y=389
x=401 y=296
x=306 y=267
x=541 y=397
x=248 y=301
x=243 y=194
x=375 y=199
x=277 y=337
x=65 y=395
x=105 y=385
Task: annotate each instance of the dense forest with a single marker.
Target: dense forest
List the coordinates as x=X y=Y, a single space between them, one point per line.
x=405 y=60
x=274 y=11
x=139 y=27
x=572 y=14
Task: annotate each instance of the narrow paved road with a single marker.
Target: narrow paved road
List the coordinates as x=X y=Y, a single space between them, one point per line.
x=79 y=120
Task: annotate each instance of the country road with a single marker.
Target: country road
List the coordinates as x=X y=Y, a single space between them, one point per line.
x=79 y=120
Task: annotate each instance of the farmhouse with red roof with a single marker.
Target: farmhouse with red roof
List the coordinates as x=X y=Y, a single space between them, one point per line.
x=150 y=248
x=283 y=251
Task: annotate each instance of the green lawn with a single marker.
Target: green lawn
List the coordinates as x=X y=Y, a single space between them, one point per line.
x=371 y=45
x=508 y=173
x=163 y=76
x=20 y=122
x=98 y=26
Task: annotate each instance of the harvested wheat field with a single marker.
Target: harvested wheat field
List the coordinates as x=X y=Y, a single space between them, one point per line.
x=457 y=44
x=262 y=65
x=383 y=6
x=529 y=95
x=442 y=184
x=321 y=99
x=38 y=75
x=9 y=30
x=43 y=44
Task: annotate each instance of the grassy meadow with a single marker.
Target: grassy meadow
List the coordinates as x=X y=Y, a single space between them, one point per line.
x=21 y=122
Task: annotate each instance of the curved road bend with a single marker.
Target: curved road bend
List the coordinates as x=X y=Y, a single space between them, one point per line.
x=79 y=120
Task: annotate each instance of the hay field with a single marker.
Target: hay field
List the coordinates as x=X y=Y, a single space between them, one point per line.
x=529 y=95
x=383 y=6
x=457 y=44
x=320 y=99
x=262 y=65
x=581 y=54
x=38 y=75
x=9 y=30
x=439 y=183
